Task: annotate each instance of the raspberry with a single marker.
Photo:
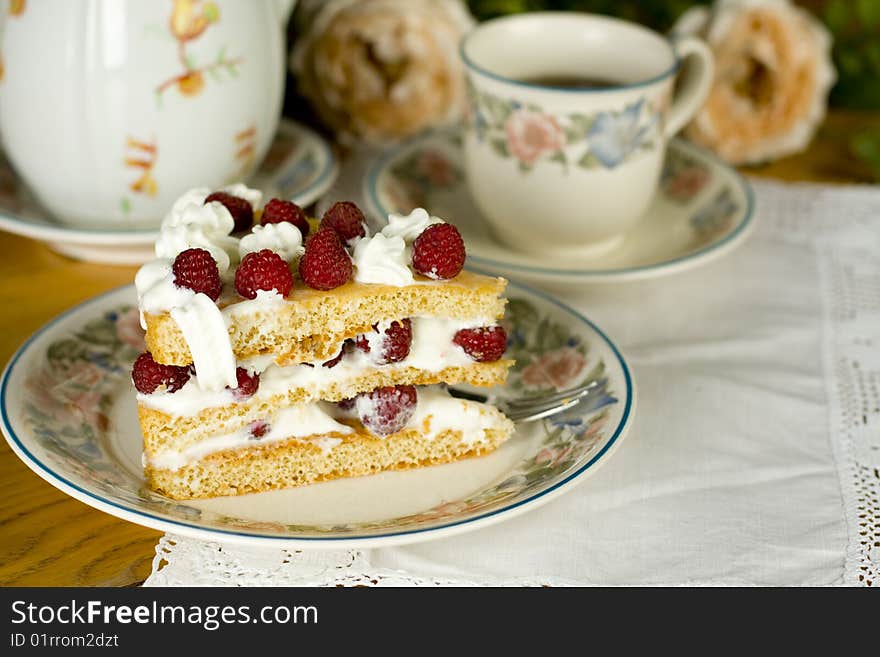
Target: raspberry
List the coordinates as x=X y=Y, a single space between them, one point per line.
x=325 y=264
x=438 y=252
x=259 y=429
x=347 y=347
x=395 y=343
x=263 y=270
x=241 y=211
x=347 y=404
x=346 y=219
x=196 y=269
x=386 y=410
x=276 y=211
x=484 y=344
x=148 y=375
x=247 y=384
x=333 y=362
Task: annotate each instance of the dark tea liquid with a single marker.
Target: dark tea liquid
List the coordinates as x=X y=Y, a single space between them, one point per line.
x=571 y=81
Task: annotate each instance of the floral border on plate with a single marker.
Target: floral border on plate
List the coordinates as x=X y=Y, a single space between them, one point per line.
x=71 y=391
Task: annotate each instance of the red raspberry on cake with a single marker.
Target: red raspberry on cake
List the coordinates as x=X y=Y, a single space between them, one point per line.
x=240 y=209
x=197 y=270
x=263 y=270
x=396 y=343
x=148 y=375
x=438 y=252
x=485 y=344
x=247 y=384
x=346 y=219
x=333 y=362
x=347 y=404
x=386 y=410
x=325 y=264
x=259 y=429
x=277 y=211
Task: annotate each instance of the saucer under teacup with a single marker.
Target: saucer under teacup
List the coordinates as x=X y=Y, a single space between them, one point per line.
x=703 y=209
x=299 y=166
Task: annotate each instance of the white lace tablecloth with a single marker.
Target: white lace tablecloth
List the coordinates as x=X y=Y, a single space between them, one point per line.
x=754 y=458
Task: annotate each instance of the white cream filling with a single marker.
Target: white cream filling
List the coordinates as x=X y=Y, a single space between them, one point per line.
x=435 y=410
x=300 y=421
x=432 y=350
x=376 y=340
x=446 y=413
x=204 y=330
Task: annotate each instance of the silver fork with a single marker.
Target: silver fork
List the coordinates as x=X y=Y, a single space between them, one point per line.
x=537 y=407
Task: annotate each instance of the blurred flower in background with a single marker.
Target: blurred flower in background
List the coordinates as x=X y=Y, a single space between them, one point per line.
x=381 y=70
x=773 y=72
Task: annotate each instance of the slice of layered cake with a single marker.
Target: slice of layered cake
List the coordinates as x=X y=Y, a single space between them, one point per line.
x=283 y=351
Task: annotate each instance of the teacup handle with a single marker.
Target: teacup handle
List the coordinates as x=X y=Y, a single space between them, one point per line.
x=695 y=82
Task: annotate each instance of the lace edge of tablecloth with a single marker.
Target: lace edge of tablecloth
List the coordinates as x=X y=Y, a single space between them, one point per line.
x=227 y=565
x=232 y=565
x=852 y=368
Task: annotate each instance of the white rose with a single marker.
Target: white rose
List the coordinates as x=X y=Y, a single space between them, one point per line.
x=382 y=69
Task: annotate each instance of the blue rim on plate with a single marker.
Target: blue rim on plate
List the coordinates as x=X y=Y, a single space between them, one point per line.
x=132 y=513
x=700 y=255
x=48 y=229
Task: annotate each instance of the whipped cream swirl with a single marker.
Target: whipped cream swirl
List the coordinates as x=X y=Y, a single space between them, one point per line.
x=283 y=238
x=381 y=259
x=410 y=226
x=384 y=258
x=192 y=223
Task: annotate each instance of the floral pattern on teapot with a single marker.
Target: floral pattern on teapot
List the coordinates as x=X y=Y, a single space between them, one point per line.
x=15 y=8
x=245 y=150
x=189 y=19
x=142 y=156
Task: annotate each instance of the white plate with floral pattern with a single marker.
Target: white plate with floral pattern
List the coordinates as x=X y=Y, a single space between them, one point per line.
x=68 y=411
x=300 y=165
x=703 y=209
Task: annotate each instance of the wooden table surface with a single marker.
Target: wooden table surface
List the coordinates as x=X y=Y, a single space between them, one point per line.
x=49 y=539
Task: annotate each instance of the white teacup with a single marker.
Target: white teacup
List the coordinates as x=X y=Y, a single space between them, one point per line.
x=567 y=169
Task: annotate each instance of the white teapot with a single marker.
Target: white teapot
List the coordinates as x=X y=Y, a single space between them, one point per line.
x=110 y=109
